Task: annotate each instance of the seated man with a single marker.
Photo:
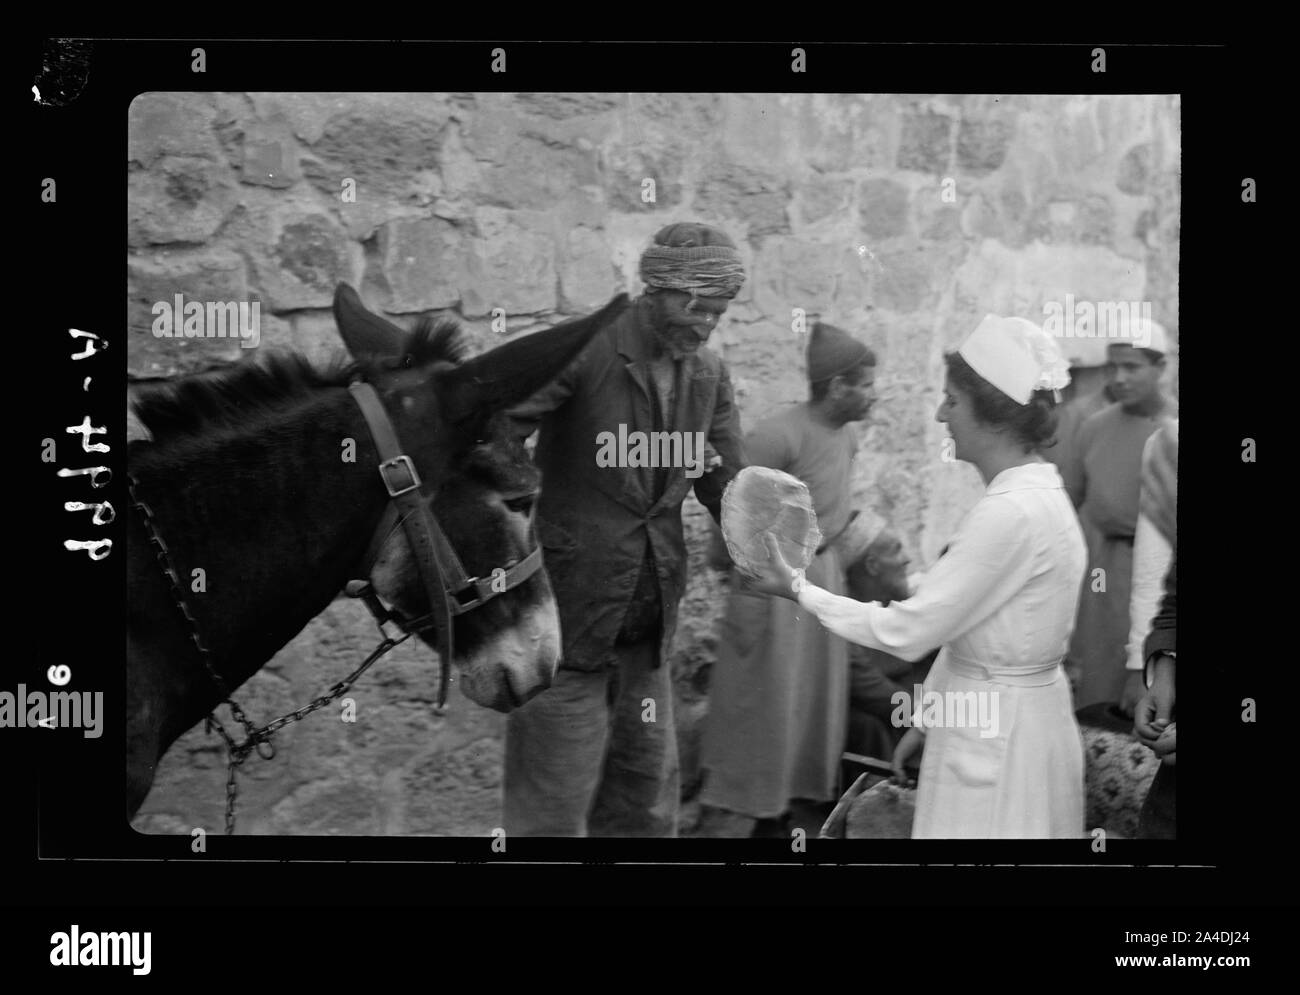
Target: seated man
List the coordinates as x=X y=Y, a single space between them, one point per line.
x=879 y=573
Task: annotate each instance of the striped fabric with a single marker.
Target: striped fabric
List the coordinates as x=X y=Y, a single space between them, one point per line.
x=1159 y=500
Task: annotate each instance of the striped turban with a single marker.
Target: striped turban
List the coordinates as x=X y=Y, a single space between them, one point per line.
x=694 y=258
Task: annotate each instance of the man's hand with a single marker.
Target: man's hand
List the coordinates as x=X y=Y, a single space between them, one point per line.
x=1166 y=745
x=1156 y=708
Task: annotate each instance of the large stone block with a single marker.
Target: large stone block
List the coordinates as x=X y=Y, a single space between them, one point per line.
x=511 y=265
x=532 y=174
x=759 y=128
x=979 y=218
x=754 y=196
x=1073 y=218
x=883 y=208
x=926 y=142
x=215 y=275
x=937 y=221
x=381 y=152
x=794 y=273
x=821 y=198
x=425 y=263
x=907 y=280
x=587 y=278
x=179 y=199
x=982 y=144
x=686 y=114
x=270 y=155
x=842 y=132
x=309 y=257
x=305 y=114
x=624 y=180
x=170 y=124
x=1134 y=170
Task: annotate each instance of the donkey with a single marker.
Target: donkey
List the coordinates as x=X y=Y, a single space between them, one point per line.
x=263 y=475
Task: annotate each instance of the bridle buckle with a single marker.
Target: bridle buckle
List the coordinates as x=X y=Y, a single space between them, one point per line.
x=397 y=487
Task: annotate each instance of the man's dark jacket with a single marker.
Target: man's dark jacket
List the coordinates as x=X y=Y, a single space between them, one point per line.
x=593 y=522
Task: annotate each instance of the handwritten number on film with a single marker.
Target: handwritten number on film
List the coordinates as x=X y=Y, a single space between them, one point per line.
x=102 y=512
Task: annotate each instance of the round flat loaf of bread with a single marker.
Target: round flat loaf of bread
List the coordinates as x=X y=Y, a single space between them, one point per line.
x=761 y=501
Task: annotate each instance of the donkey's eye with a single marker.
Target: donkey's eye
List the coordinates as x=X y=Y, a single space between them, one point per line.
x=522 y=504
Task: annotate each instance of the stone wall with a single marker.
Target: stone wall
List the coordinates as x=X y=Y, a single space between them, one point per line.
x=901 y=218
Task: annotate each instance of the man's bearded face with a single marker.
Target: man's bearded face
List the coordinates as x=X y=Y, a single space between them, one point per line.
x=684 y=323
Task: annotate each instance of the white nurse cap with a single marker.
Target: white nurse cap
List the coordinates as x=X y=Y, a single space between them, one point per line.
x=1015 y=356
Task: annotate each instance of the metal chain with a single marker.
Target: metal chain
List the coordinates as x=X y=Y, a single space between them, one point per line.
x=254 y=738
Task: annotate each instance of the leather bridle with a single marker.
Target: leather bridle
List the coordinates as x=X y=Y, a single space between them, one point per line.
x=450 y=590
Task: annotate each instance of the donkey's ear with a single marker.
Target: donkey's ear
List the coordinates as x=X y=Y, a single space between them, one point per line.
x=365 y=334
x=517 y=370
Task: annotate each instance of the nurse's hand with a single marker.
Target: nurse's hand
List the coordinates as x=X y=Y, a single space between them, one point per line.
x=775 y=577
x=913 y=742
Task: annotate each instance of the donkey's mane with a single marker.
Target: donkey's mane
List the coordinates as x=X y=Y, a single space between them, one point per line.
x=235 y=394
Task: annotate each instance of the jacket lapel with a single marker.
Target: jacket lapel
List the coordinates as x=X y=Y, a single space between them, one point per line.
x=690 y=390
x=638 y=482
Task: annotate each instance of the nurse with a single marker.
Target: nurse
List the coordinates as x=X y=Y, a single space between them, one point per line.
x=1001 y=601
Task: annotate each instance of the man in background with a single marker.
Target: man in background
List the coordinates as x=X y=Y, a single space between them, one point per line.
x=1102 y=477
x=778 y=698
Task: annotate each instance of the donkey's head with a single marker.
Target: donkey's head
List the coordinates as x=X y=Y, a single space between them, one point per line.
x=448 y=412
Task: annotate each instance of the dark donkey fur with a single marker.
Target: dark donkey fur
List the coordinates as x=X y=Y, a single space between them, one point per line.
x=246 y=480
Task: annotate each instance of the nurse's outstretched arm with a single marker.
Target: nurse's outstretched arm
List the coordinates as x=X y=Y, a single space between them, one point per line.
x=987 y=563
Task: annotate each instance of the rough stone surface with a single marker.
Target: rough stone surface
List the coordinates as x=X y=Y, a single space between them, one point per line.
x=532 y=203
x=425 y=263
x=1133 y=170
x=211 y=275
x=883 y=207
x=183 y=199
x=310 y=256
x=982 y=145
x=752 y=196
x=926 y=142
x=511 y=264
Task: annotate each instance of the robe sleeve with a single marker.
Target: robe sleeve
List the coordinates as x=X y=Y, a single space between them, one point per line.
x=988 y=562
x=1163 y=637
x=1152 y=555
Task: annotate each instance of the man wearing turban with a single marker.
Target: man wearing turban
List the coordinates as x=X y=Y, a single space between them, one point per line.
x=596 y=754
x=779 y=695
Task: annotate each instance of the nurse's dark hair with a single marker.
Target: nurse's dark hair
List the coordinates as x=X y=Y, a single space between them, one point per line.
x=1033 y=425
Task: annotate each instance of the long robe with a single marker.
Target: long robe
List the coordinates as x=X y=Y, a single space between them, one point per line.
x=1001 y=602
x=1104 y=480
x=779 y=691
